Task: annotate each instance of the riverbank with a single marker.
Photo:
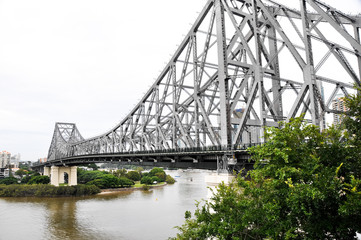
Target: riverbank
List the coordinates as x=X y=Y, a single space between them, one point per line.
x=114 y=190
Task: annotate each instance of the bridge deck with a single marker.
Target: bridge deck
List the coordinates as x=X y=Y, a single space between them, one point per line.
x=180 y=158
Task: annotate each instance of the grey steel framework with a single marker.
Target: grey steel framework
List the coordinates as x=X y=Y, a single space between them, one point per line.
x=244 y=65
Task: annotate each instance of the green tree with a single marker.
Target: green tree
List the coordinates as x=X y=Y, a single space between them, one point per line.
x=303 y=187
x=93 y=166
x=133 y=175
x=87 y=176
x=139 y=170
x=161 y=176
x=169 y=179
x=155 y=179
x=146 y=180
x=125 y=182
x=9 y=181
x=120 y=173
x=155 y=171
x=39 y=180
x=111 y=180
x=100 y=183
x=26 y=179
x=21 y=172
x=105 y=181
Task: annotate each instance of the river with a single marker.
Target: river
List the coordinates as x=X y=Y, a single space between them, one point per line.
x=126 y=215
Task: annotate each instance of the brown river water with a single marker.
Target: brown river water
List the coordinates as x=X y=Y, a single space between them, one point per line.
x=126 y=215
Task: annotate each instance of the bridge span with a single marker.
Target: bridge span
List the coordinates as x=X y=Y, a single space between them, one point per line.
x=243 y=66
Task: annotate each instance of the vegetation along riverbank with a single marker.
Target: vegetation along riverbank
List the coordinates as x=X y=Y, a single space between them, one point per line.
x=31 y=184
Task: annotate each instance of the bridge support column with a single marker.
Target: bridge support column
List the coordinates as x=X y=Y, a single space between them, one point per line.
x=57 y=175
x=213 y=180
x=46 y=171
x=54 y=176
x=73 y=176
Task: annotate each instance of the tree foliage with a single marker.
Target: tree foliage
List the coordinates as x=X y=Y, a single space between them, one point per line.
x=169 y=179
x=305 y=185
x=161 y=176
x=8 y=181
x=125 y=182
x=21 y=172
x=87 y=176
x=133 y=175
x=156 y=170
x=146 y=180
x=120 y=172
x=93 y=166
x=39 y=180
x=45 y=190
x=105 y=181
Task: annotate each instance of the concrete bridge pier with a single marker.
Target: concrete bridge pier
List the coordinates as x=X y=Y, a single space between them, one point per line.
x=57 y=175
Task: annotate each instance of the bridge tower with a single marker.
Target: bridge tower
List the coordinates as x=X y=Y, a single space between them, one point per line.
x=64 y=134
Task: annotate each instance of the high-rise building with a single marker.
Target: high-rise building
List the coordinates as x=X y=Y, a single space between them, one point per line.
x=14 y=160
x=338 y=104
x=4 y=159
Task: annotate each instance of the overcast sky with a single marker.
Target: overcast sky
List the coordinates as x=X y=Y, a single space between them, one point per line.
x=85 y=61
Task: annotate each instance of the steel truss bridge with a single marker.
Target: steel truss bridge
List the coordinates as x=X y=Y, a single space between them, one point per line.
x=244 y=65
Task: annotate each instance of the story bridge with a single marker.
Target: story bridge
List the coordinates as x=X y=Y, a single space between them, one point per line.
x=244 y=65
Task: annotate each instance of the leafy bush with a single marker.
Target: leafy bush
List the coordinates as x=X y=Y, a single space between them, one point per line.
x=21 y=172
x=106 y=181
x=125 y=182
x=87 y=176
x=146 y=180
x=133 y=175
x=8 y=181
x=43 y=190
x=156 y=179
x=111 y=180
x=310 y=188
x=146 y=174
x=100 y=183
x=120 y=172
x=169 y=179
x=161 y=176
x=26 y=179
x=145 y=187
x=156 y=170
x=39 y=180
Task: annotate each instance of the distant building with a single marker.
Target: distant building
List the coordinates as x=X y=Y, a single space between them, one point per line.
x=14 y=160
x=4 y=159
x=338 y=104
x=42 y=160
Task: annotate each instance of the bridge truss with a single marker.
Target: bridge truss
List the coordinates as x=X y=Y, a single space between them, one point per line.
x=244 y=65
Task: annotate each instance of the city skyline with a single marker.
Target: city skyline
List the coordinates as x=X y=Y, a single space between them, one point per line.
x=79 y=62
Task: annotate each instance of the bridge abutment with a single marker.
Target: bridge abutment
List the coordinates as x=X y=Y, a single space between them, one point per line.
x=57 y=175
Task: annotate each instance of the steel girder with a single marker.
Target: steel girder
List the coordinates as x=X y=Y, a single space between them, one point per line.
x=244 y=65
x=64 y=135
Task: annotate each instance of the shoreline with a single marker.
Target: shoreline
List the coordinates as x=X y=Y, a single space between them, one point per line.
x=115 y=190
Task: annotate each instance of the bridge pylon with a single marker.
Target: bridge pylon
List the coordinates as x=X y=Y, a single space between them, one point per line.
x=57 y=175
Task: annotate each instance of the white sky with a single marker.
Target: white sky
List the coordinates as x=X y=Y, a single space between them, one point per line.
x=85 y=61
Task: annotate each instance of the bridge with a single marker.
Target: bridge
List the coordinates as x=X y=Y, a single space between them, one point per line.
x=244 y=65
